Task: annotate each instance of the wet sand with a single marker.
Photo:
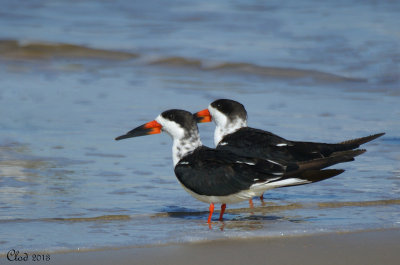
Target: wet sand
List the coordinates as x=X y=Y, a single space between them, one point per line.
x=367 y=247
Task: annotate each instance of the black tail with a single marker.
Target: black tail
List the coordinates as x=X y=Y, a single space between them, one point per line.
x=311 y=176
x=308 y=150
x=318 y=175
x=359 y=141
x=330 y=149
x=335 y=158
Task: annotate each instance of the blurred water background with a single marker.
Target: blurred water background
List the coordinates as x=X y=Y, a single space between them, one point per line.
x=76 y=74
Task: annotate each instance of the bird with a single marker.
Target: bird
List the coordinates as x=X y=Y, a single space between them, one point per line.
x=233 y=134
x=221 y=176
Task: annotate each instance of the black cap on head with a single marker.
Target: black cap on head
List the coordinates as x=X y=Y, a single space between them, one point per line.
x=182 y=117
x=232 y=109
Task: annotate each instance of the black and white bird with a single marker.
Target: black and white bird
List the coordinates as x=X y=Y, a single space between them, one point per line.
x=221 y=176
x=233 y=134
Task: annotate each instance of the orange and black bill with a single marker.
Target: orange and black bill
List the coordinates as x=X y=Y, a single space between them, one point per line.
x=152 y=127
x=202 y=116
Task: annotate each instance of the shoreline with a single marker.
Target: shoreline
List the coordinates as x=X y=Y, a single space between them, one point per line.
x=353 y=247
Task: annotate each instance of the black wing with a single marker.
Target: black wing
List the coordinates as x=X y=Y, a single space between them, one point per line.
x=258 y=143
x=219 y=173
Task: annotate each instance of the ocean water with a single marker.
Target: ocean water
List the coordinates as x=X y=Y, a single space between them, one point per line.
x=76 y=74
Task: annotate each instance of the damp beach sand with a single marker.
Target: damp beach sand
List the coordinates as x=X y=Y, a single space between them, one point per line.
x=356 y=248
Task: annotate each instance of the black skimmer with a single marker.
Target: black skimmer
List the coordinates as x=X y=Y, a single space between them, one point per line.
x=221 y=176
x=233 y=134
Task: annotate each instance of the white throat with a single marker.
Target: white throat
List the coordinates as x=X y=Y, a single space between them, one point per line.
x=231 y=127
x=183 y=147
x=224 y=126
x=184 y=143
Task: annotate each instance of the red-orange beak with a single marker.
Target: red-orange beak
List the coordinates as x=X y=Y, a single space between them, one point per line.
x=202 y=116
x=152 y=127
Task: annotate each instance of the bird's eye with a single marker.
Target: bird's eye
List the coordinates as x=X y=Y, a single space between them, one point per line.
x=171 y=116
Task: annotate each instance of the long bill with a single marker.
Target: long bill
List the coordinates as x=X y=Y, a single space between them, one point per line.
x=202 y=116
x=151 y=127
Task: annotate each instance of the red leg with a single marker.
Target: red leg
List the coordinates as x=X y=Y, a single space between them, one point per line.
x=262 y=197
x=211 y=212
x=251 y=203
x=223 y=206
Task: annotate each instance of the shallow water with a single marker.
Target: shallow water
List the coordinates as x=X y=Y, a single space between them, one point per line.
x=76 y=75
